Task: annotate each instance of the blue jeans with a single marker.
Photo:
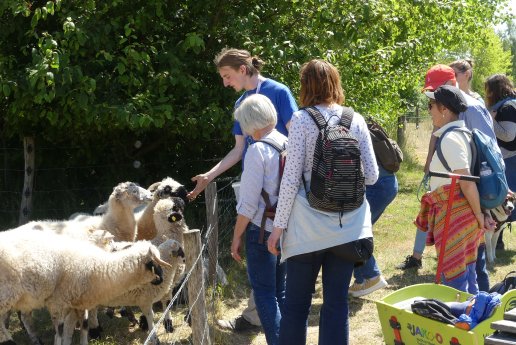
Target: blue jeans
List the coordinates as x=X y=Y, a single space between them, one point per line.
x=267 y=278
x=302 y=271
x=379 y=196
x=466 y=282
x=510 y=175
x=480 y=266
x=481 y=269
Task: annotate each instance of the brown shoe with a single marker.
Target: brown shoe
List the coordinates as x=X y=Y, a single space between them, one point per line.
x=237 y=325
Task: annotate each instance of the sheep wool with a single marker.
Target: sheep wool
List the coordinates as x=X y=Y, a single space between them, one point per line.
x=145 y=295
x=67 y=275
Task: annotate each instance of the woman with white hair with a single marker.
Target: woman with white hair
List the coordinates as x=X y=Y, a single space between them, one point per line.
x=259 y=188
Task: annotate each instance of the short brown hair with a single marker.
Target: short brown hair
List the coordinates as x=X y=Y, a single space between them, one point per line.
x=498 y=87
x=320 y=83
x=234 y=58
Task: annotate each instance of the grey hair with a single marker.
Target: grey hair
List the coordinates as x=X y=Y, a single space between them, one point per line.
x=256 y=112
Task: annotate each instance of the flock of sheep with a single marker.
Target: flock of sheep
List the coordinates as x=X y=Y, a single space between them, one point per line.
x=71 y=267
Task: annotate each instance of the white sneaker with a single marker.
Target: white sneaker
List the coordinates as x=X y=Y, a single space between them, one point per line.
x=368 y=286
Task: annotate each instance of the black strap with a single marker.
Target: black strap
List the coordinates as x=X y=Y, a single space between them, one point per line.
x=347 y=117
x=471 y=143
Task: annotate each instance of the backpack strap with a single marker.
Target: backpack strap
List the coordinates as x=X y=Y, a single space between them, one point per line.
x=272 y=143
x=269 y=211
x=347 y=117
x=316 y=116
x=439 y=151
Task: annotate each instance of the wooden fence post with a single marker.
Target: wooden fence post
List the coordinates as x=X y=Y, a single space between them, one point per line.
x=28 y=182
x=196 y=296
x=401 y=131
x=212 y=216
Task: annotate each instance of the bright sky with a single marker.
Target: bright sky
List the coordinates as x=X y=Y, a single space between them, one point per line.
x=512 y=4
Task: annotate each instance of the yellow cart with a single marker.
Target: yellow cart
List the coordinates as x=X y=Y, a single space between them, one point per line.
x=402 y=327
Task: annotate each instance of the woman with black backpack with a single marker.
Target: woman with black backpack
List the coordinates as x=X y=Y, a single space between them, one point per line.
x=501 y=101
x=321 y=226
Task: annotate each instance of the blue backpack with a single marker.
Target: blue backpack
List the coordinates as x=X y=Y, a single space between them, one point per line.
x=492 y=188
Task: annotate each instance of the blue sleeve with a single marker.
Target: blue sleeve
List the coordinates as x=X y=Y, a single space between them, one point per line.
x=236 y=130
x=476 y=117
x=286 y=107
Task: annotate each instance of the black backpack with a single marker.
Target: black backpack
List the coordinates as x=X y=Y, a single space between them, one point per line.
x=270 y=210
x=337 y=182
x=387 y=151
x=509 y=283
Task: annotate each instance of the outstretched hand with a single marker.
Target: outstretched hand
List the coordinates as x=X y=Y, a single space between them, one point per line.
x=202 y=181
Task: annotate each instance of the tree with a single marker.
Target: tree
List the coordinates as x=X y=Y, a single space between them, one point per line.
x=103 y=74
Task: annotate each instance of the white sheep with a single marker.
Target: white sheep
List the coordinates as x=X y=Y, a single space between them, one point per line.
x=168 y=187
x=169 y=221
x=170 y=224
x=145 y=295
x=119 y=218
x=67 y=276
x=101 y=238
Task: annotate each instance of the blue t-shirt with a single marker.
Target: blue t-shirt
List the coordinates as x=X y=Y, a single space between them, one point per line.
x=283 y=102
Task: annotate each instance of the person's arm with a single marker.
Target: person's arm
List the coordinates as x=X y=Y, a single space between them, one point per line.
x=470 y=191
x=231 y=158
x=236 y=245
x=431 y=150
x=251 y=185
x=505 y=130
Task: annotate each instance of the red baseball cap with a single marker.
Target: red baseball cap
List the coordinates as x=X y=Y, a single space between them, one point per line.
x=438 y=75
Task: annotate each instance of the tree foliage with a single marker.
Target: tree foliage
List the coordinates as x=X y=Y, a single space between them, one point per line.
x=90 y=66
x=490 y=58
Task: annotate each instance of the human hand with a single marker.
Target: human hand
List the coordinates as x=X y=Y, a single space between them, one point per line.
x=202 y=181
x=235 y=248
x=489 y=222
x=272 y=242
x=480 y=219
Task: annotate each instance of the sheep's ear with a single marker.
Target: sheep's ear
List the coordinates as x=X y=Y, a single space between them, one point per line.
x=152 y=188
x=157 y=259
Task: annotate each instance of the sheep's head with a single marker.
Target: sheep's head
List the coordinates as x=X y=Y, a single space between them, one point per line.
x=101 y=238
x=170 y=250
x=154 y=265
x=168 y=187
x=169 y=210
x=131 y=194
